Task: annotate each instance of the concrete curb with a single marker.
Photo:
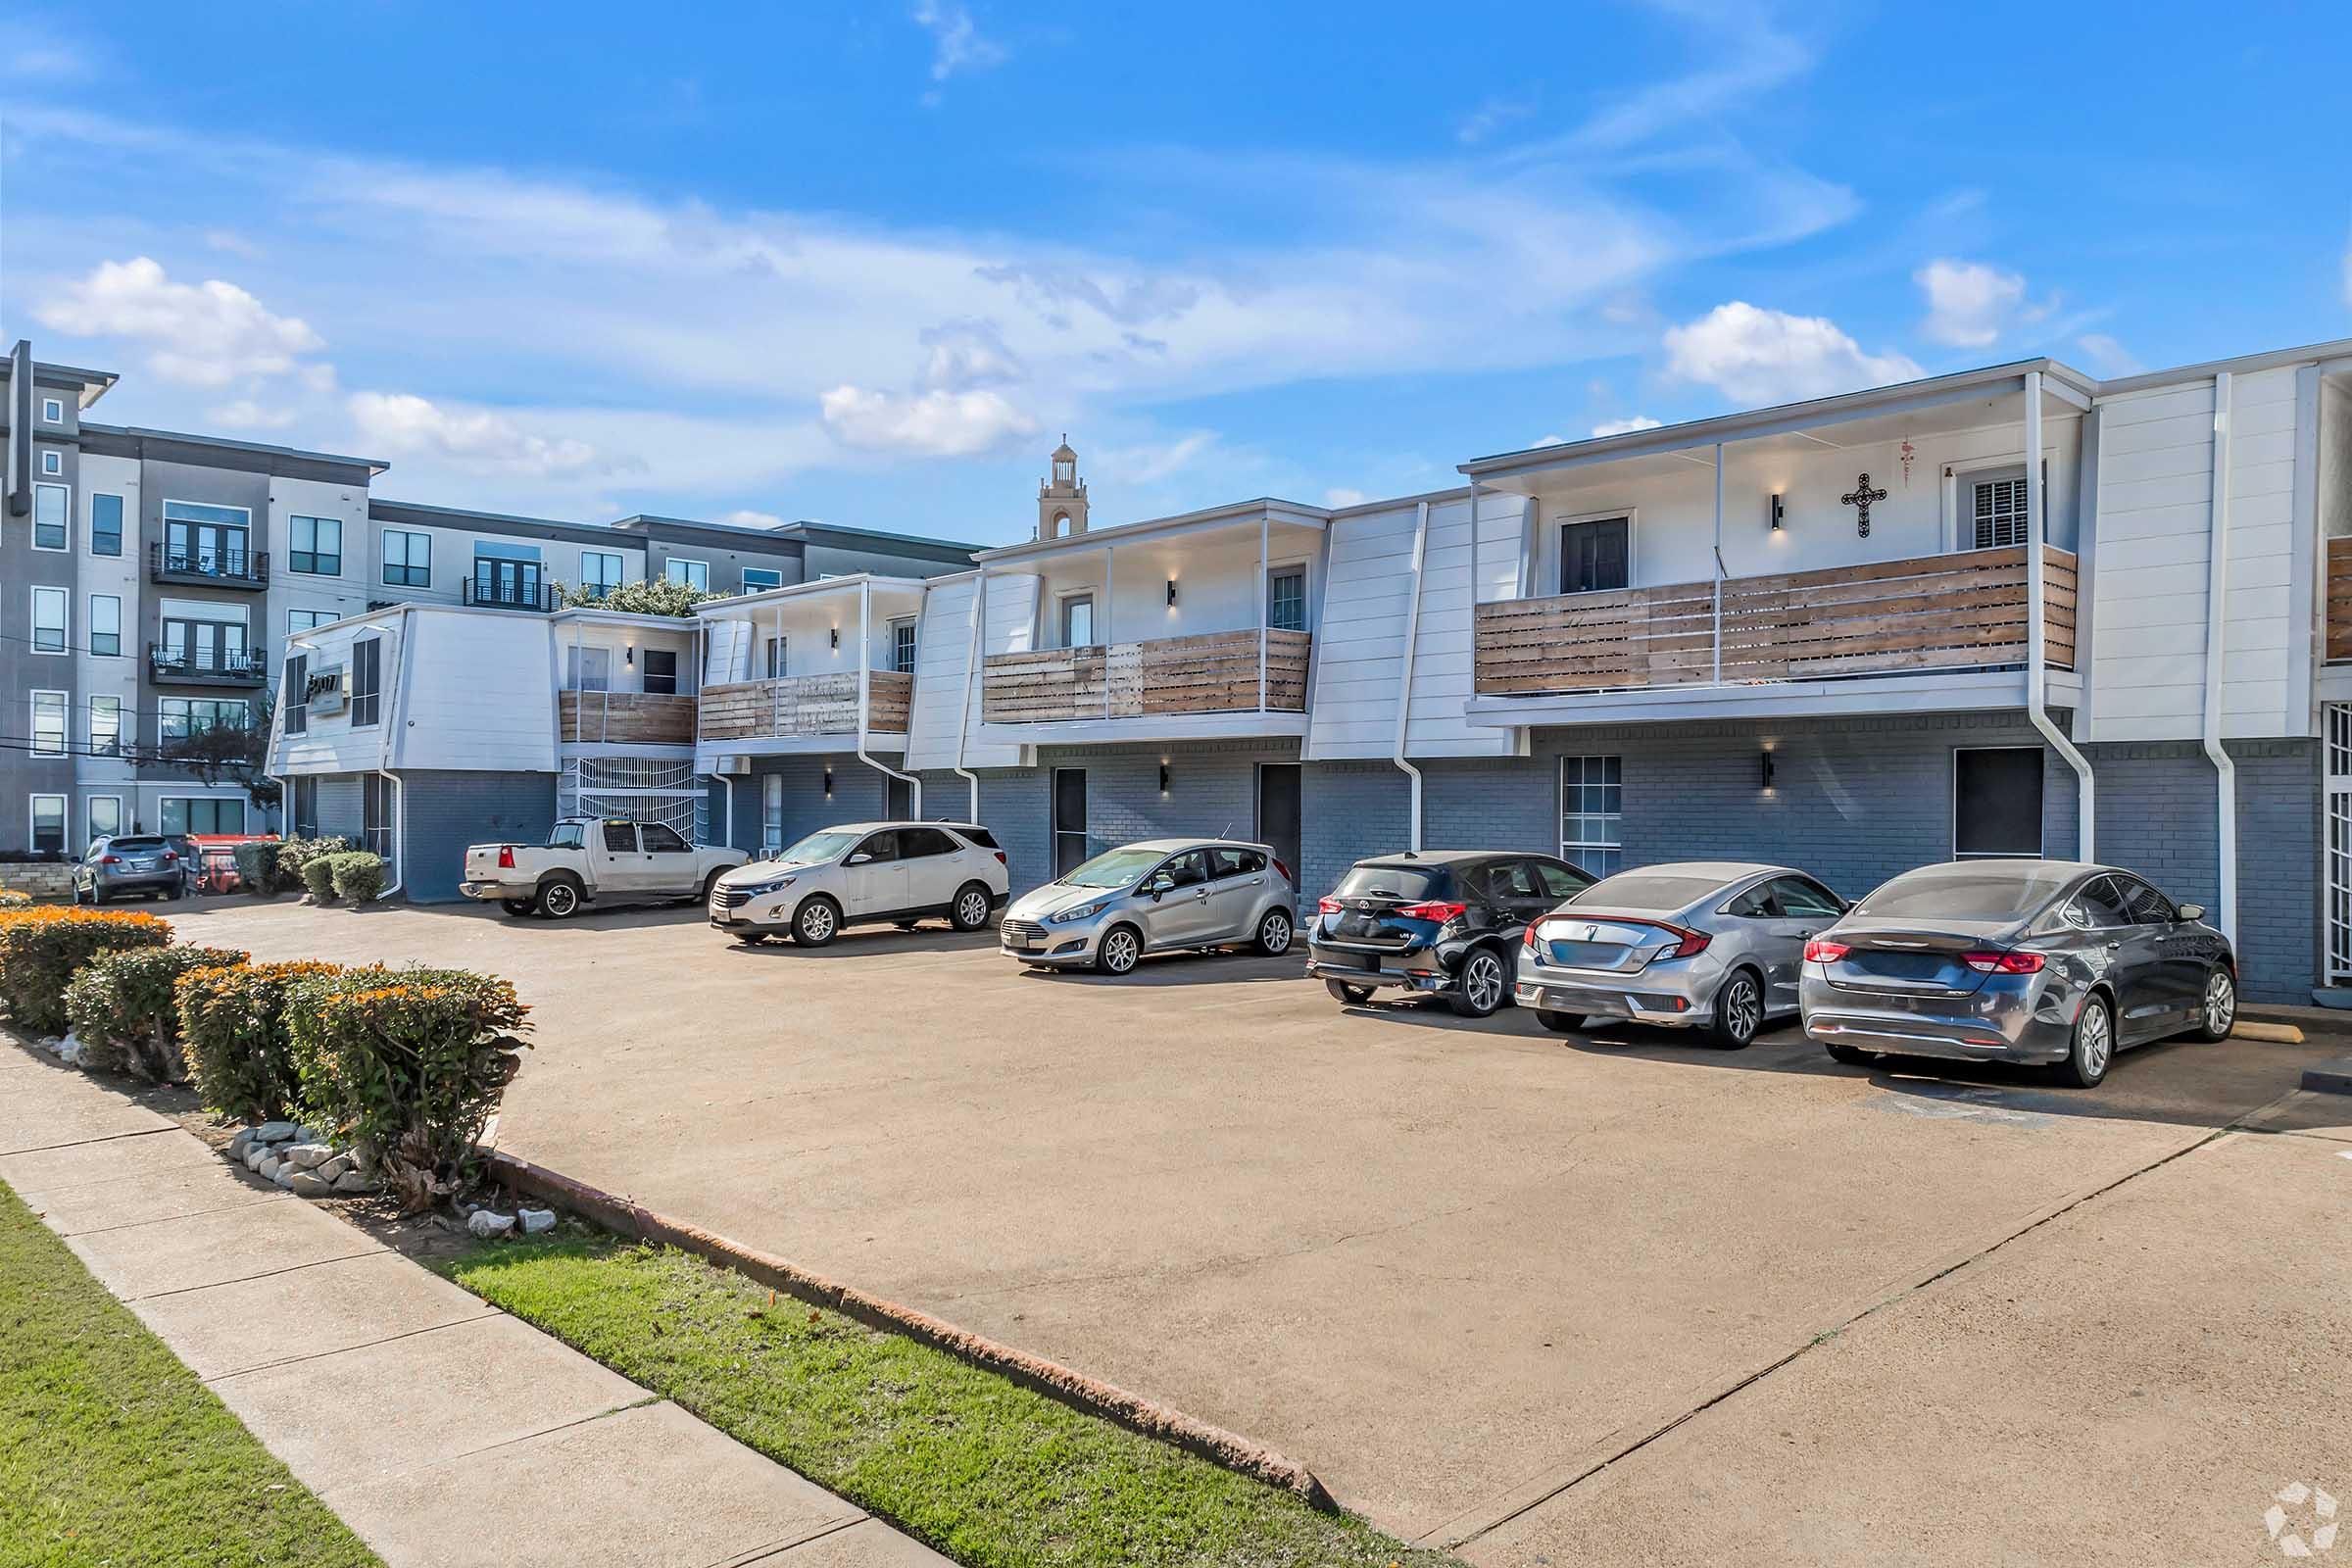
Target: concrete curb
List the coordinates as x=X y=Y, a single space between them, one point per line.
x=2330 y=1077
x=1049 y=1377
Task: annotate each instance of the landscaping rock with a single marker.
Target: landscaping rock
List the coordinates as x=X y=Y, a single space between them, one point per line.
x=276 y=1132
x=269 y=1167
x=329 y=1169
x=535 y=1220
x=305 y=1184
x=303 y=1157
x=254 y=1154
x=285 y=1174
x=239 y=1144
x=486 y=1224
x=352 y=1180
x=308 y=1134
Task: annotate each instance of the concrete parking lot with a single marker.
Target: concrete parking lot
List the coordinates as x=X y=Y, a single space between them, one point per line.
x=1555 y=1299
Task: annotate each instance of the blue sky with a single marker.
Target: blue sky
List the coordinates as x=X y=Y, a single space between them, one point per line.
x=866 y=264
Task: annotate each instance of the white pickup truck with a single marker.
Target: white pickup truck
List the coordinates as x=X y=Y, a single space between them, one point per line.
x=594 y=859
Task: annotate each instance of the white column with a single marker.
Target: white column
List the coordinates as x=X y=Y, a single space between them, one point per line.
x=1718 y=639
x=1261 y=599
x=1102 y=625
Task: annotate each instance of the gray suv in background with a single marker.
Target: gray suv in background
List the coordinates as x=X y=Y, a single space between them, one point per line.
x=1157 y=896
x=145 y=864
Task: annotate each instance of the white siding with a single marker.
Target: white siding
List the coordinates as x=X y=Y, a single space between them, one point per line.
x=346 y=593
x=2259 y=614
x=944 y=688
x=461 y=689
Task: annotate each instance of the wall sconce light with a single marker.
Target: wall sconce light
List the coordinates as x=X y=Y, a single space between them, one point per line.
x=629 y=656
x=1163 y=775
x=1778 y=511
x=837 y=637
x=1764 y=769
x=1171 y=592
x=828 y=781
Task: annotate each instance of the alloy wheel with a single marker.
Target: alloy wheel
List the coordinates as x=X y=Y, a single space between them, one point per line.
x=559 y=899
x=1119 y=950
x=1482 y=981
x=973 y=913
x=1274 y=932
x=2097 y=1042
x=2221 y=1004
x=816 y=919
x=1743 y=1007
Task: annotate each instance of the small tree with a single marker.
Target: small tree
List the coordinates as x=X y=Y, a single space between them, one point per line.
x=236 y=753
x=654 y=595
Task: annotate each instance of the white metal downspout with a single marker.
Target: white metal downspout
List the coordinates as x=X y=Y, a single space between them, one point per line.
x=866 y=683
x=971 y=674
x=2216 y=594
x=1404 y=687
x=2036 y=673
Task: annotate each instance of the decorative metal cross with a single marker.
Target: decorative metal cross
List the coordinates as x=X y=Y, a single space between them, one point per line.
x=1859 y=498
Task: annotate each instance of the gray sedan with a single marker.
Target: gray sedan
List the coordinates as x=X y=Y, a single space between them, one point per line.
x=2017 y=960
x=1712 y=944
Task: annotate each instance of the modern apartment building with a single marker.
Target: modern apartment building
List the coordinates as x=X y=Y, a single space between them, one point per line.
x=157 y=582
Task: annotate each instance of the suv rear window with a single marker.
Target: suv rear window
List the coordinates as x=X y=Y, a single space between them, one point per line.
x=978 y=835
x=1374 y=880
x=138 y=846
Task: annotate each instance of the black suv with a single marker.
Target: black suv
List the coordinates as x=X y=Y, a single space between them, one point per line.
x=1445 y=923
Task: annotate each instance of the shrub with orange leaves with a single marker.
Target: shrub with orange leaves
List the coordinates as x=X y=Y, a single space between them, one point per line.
x=233 y=1025
x=42 y=948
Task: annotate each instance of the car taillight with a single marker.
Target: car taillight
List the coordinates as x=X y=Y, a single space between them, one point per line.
x=1819 y=951
x=171 y=854
x=1440 y=912
x=1000 y=861
x=506 y=857
x=1530 y=938
x=1691 y=943
x=1285 y=870
x=2003 y=962
x=110 y=860
x=1327 y=906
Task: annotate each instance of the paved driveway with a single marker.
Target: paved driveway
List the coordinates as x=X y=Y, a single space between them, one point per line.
x=1457 y=1268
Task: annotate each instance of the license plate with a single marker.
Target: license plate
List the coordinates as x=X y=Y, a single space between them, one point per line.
x=142 y=865
x=1025 y=945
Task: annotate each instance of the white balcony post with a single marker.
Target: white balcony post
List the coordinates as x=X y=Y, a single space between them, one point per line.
x=865 y=594
x=1262 y=616
x=1718 y=637
x=1102 y=627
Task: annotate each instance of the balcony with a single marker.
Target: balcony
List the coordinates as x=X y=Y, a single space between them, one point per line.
x=803 y=707
x=1930 y=613
x=626 y=718
x=203 y=567
x=1213 y=672
x=536 y=596
x=184 y=669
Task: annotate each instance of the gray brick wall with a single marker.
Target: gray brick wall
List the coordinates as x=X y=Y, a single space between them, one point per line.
x=447 y=811
x=858 y=795
x=1351 y=809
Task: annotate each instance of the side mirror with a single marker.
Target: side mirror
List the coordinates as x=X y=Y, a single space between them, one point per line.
x=1156 y=884
x=860 y=858
x=2192 y=912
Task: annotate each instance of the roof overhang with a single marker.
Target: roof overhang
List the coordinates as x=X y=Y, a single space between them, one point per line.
x=793 y=593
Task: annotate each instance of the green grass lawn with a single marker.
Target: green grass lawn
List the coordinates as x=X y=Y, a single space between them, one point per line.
x=111 y=1452
x=988 y=1472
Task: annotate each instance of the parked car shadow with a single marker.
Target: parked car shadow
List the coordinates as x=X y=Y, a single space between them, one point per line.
x=860 y=939
x=1183 y=969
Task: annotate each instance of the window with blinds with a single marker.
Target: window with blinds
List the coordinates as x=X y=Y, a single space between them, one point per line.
x=1998 y=510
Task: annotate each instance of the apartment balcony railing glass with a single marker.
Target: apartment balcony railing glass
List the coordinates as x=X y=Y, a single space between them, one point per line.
x=181 y=667
x=208 y=566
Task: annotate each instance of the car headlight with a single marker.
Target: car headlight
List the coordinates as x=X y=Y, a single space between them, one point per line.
x=764 y=889
x=1084 y=912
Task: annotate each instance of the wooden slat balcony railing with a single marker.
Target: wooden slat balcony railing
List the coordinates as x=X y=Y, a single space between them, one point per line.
x=1956 y=611
x=625 y=718
x=2339 y=600
x=804 y=705
x=1211 y=672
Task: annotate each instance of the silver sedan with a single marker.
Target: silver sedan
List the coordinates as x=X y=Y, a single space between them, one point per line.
x=1710 y=945
x=1157 y=896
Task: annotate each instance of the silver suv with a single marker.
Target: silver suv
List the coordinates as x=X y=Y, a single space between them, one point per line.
x=1157 y=896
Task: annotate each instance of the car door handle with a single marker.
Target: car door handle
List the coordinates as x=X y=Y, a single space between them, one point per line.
x=1202 y=894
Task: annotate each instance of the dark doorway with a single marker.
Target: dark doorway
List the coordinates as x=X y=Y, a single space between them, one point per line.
x=899 y=806
x=1069 y=819
x=1996 y=802
x=1278 y=813
x=1594 y=554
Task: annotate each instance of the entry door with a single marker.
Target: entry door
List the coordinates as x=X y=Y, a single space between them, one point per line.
x=900 y=801
x=1594 y=554
x=1069 y=819
x=1278 y=813
x=206 y=547
x=506 y=582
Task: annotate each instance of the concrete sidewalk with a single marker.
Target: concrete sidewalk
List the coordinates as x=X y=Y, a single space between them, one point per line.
x=443 y=1431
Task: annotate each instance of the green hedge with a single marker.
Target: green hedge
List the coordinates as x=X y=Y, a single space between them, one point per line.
x=407 y=1063
x=359 y=874
x=257 y=866
x=40 y=949
x=125 y=1012
x=233 y=1026
x=319 y=876
x=293 y=854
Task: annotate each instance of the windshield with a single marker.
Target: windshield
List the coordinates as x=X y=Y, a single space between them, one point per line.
x=1645 y=890
x=1954 y=893
x=1115 y=869
x=1392 y=882
x=829 y=845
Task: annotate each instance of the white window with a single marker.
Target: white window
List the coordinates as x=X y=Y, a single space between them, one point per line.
x=178 y=717
x=408 y=558
x=48 y=824
x=775 y=656
x=105 y=815
x=53 y=462
x=53 y=410
x=106 y=525
x=317 y=546
x=695 y=574
x=49 y=723
x=600 y=571
x=106 y=625
x=306 y=620
x=1285 y=599
x=106 y=726
x=901 y=647
x=771 y=810
x=588 y=669
x=1078 y=621
x=52 y=506
x=49 y=613
x=1994 y=513
x=1593 y=813
x=204 y=813
x=366 y=674
x=661 y=672
x=756 y=578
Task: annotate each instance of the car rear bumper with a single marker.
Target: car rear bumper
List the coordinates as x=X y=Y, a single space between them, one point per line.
x=1994 y=1025
x=1408 y=968
x=1678 y=992
x=495 y=890
x=139 y=882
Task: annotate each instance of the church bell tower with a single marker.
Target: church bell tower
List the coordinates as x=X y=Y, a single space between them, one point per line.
x=1061 y=500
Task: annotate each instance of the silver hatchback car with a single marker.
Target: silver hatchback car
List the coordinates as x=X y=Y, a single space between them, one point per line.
x=1712 y=944
x=1157 y=896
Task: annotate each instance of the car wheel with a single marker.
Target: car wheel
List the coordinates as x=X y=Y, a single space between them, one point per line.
x=81 y=894
x=969 y=912
x=2220 y=1013
x=1274 y=933
x=515 y=905
x=1120 y=949
x=558 y=897
x=1851 y=1056
x=177 y=891
x=1560 y=1023
x=2093 y=1047
x=817 y=922
x=709 y=886
x=1352 y=996
x=1482 y=986
x=1739 y=1011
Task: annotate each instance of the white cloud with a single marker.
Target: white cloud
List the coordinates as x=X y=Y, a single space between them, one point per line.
x=1340 y=496
x=962 y=354
x=403 y=425
x=929 y=425
x=1154 y=460
x=1547 y=441
x=1756 y=357
x=744 y=517
x=1640 y=421
x=247 y=415
x=221 y=239
x=1489 y=117
x=2106 y=357
x=1969 y=303
x=203 y=334
x=956 y=43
